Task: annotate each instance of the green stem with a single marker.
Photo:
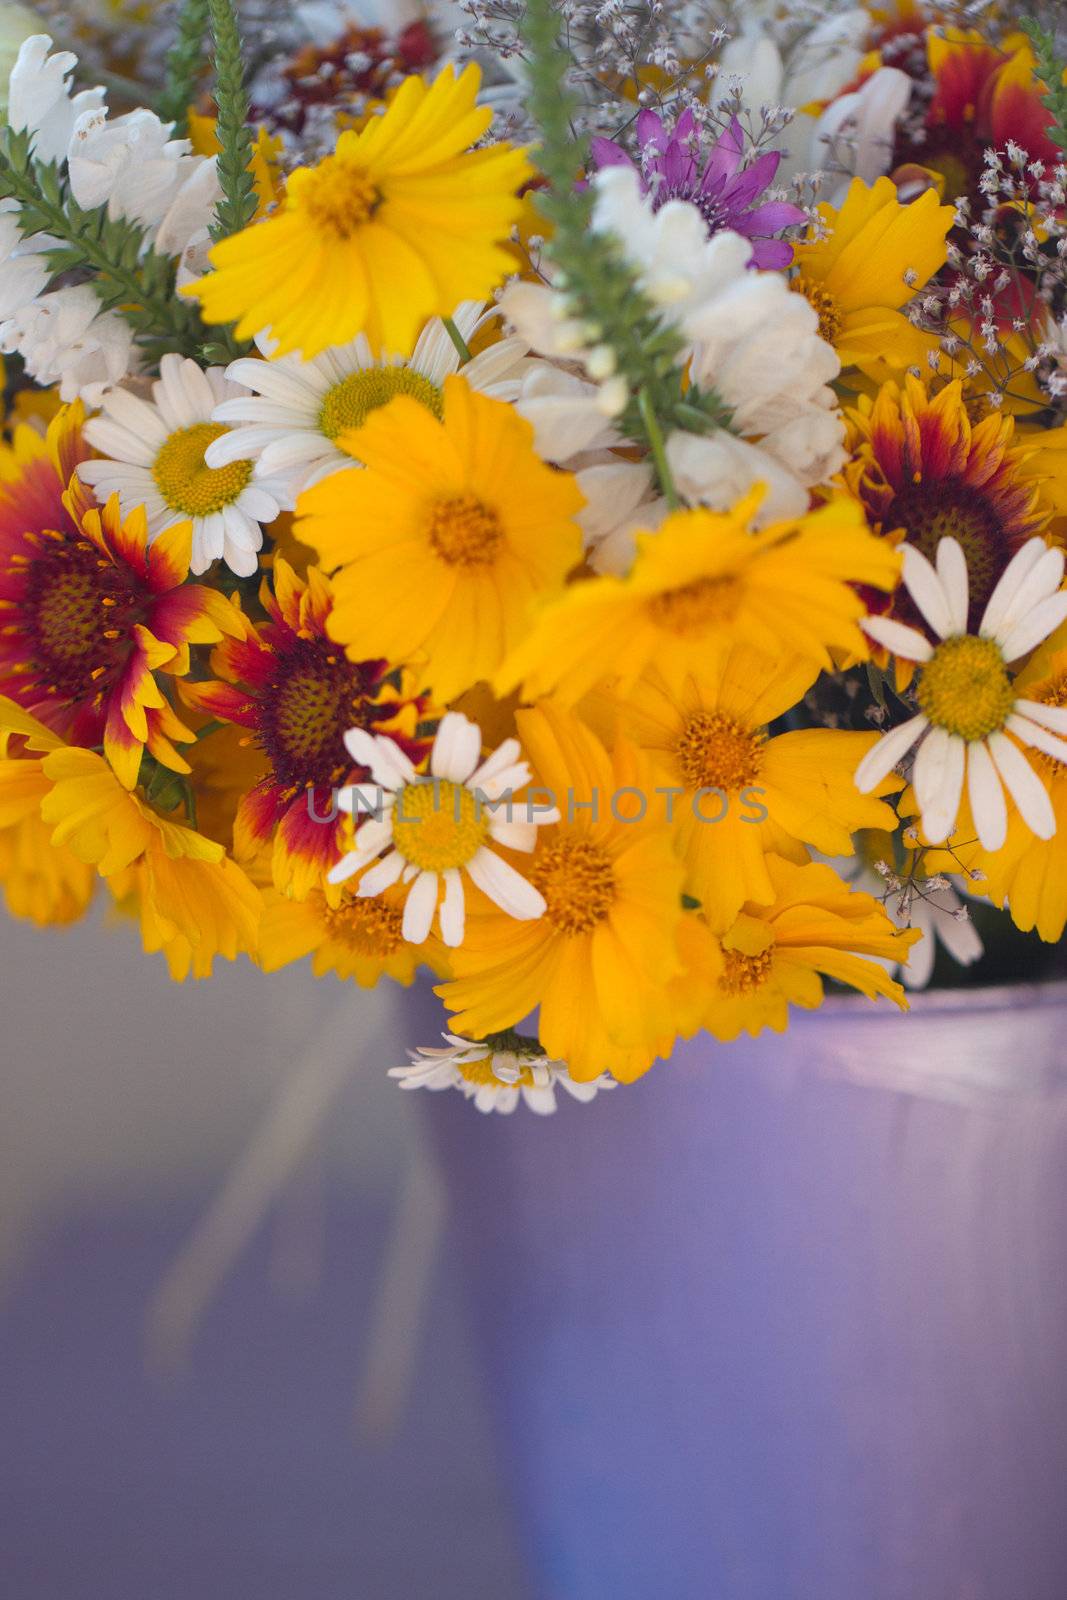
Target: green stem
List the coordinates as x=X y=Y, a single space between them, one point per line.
x=654 y=434
x=462 y=348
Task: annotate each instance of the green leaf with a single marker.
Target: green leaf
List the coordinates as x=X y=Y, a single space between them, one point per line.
x=237 y=207
x=184 y=63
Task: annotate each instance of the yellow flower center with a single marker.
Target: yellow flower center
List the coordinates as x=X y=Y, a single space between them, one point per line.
x=743 y=974
x=186 y=482
x=437 y=826
x=365 y=927
x=695 y=607
x=578 y=883
x=965 y=687
x=481 y=1073
x=824 y=303
x=717 y=752
x=349 y=403
x=339 y=196
x=464 y=532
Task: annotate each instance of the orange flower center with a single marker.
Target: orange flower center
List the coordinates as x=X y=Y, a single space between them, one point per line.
x=79 y=610
x=578 y=883
x=824 y=303
x=339 y=196
x=717 y=752
x=743 y=974
x=370 y=927
x=1052 y=692
x=695 y=607
x=464 y=532
x=481 y=1074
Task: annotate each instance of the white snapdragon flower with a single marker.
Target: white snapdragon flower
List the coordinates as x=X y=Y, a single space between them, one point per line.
x=39 y=99
x=128 y=163
x=64 y=338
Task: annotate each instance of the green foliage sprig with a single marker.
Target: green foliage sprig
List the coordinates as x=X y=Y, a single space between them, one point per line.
x=238 y=204
x=598 y=281
x=1050 y=71
x=184 y=63
x=125 y=274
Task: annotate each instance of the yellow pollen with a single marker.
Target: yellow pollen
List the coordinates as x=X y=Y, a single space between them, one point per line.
x=349 y=403
x=823 y=302
x=695 y=607
x=717 y=752
x=436 y=825
x=578 y=883
x=965 y=687
x=365 y=927
x=185 y=481
x=339 y=196
x=464 y=532
x=743 y=974
x=481 y=1073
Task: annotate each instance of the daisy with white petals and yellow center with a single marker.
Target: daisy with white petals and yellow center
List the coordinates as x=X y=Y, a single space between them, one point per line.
x=430 y=832
x=967 y=701
x=155 y=457
x=293 y=424
x=496 y=1077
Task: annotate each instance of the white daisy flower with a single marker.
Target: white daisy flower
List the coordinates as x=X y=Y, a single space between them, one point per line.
x=39 y=100
x=496 y=1079
x=967 y=703
x=430 y=831
x=155 y=454
x=290 y=423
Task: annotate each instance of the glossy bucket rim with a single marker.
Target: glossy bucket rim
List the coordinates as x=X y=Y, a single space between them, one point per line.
x=941 y=1002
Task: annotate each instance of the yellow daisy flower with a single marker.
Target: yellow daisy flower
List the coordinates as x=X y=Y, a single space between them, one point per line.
x=42 y=883
x=700 y=584
x=875 y=255
x=776 y=956
x=192 y=901
x=401 y=223
x=357 y=938
x=739 y=793
x=609 y=962
x=444 y=537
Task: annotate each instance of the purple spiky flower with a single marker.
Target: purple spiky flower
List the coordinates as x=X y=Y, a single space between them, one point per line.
x=724 y=190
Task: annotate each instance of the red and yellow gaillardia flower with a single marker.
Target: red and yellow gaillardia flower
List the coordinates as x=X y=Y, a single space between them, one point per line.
x=922 y=470
x=90 y=612
x=294 y=691
x=984 y=96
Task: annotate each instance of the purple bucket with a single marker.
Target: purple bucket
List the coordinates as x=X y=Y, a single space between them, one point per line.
x=787 y=1319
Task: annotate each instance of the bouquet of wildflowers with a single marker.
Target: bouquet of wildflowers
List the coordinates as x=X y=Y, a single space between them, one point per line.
x=567 y=496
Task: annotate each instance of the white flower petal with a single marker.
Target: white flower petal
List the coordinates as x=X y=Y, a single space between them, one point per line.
x=955 y=581
x=1021 y=563
x=883 y=757
x=452 y=909
x=1024 y=786
x=938 y=779
x=1032 y=733
x=986 y=795
x=1036 y=625
x=926 y=590
x=457 y=748
x=419 y=908
x=1053 y=717
x=382 y=875
x=505 y=887
x=898 y=637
